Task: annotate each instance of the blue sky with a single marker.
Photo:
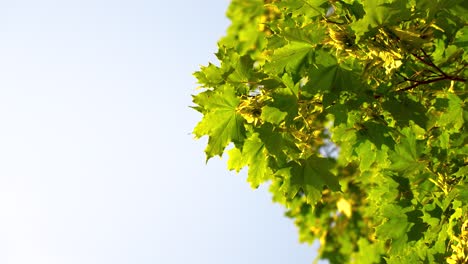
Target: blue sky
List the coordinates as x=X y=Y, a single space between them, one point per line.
x=97 y=163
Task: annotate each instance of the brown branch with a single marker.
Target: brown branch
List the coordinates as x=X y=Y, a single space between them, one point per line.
x=427 y=61
x=417 y=83
x=420 y=83
x=432 y=63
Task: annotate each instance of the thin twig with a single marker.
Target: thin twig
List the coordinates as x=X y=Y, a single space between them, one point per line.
x=427 y=60
x=431 y=81
x=420 y=83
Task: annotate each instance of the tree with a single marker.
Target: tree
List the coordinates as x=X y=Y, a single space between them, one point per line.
x=354 y=112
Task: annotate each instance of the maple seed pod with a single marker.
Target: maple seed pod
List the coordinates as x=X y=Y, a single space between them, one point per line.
x=251 y=110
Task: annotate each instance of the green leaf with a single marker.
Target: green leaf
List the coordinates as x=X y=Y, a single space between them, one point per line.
x=377 y=133
x=235 y=161
x=394 y=227
x=463 y=193
x=209 y=76
x=309 y=34
x=407 y=153
x=311 y=175
x=243 y=68
x=288 y=58
x=255 y=156
x=243 y=34
x=221 y=123
x=404 y=110
x=369 y=253
x=289 y=82
x=340 y=113
x=366 y=154
x=461 y=38
x=452 y=119
x=279 y=145
x=273 y=115
x=283 y=107
x=330 y=79
x=379 y=13
x=308 y=8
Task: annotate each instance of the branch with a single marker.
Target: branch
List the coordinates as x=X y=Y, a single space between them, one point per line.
x=420 y=83
x=427 y=61
x=417 y=83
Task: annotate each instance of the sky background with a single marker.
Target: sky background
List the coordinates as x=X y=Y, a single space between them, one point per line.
x=97 y=161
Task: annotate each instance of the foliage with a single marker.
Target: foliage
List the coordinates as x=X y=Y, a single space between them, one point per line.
x=354 y=111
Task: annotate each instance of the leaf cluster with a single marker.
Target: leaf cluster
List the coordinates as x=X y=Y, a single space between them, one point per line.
x=355 y=113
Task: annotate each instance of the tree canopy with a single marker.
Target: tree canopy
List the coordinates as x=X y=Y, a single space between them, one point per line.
x=355 y=113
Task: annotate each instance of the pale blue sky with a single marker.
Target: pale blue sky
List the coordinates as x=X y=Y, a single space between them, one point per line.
x=97 y=164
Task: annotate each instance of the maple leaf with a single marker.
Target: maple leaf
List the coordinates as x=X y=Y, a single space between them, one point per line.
x=405 y=110
x=221 y=123
x=253 y=155
x=378 y=13
x=311 y=175
x=288 y=58
x=329 y=78
x=407 y=153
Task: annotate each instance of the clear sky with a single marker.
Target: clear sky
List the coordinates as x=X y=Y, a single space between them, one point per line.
x=97 y=163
